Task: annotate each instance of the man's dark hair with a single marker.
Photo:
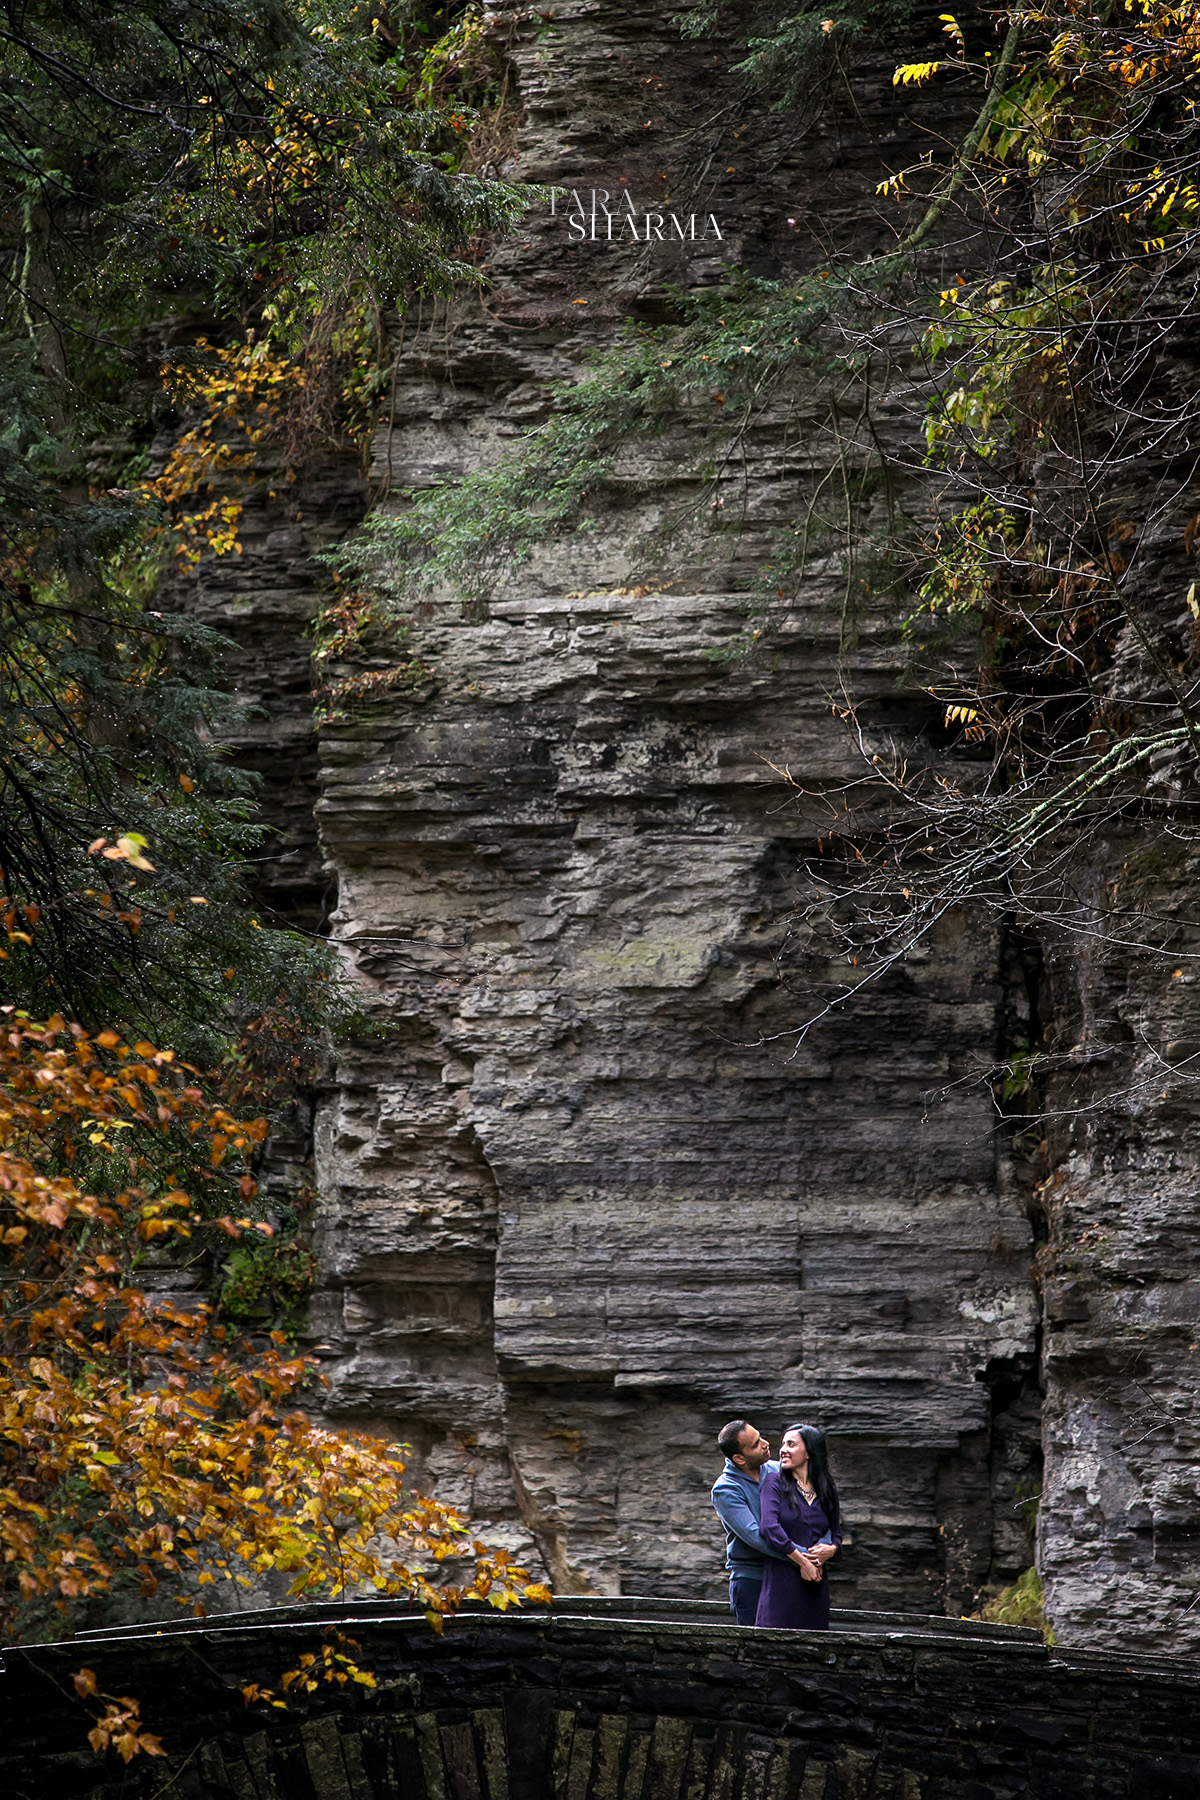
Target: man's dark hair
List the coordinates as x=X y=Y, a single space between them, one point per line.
x=727 y=1437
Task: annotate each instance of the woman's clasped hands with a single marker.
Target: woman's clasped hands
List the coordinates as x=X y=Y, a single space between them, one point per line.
x=808 y=1566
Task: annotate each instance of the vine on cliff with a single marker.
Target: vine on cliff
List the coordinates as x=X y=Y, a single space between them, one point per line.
x=1050 y=384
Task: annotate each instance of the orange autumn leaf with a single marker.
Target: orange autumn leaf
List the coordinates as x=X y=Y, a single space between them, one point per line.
x=144 y=1444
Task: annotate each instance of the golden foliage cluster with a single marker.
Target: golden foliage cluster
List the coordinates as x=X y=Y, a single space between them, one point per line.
x=139 y=1440
x=234 y=400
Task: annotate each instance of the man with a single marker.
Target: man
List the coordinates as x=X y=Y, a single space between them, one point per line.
x=738 y=1500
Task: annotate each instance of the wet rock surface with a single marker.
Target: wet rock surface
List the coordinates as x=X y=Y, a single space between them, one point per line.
x=1120 y=1523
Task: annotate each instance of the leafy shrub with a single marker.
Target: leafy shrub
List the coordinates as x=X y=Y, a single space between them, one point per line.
x=267 y=1281
x=1020 y=1604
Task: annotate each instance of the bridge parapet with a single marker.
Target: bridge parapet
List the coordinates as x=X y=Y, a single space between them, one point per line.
x=607 y=1699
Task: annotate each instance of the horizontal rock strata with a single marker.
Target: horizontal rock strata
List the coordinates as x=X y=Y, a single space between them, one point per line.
x=585 y=1195
x=565 y=870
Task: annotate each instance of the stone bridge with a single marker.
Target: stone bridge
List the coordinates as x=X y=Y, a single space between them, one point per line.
x=618 y=1699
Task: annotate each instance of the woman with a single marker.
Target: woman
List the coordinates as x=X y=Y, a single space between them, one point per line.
x=801 y=1521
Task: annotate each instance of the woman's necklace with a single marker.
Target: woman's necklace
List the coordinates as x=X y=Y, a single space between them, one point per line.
x=807 y=1494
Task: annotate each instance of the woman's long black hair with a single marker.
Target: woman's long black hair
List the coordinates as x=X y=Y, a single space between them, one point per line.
x=818 y=1471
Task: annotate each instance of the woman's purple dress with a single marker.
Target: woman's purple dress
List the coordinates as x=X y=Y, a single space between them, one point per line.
x=790 y=1523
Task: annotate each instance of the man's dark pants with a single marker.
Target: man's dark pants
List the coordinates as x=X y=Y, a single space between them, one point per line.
x=743 y=1597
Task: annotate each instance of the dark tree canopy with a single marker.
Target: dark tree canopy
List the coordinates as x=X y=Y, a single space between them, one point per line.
x=184 y=185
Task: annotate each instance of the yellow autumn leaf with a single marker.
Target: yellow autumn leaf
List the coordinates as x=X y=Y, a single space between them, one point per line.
x=953 y=29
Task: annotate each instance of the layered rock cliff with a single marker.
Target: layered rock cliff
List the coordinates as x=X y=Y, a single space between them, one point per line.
x=584 y=1195
x=1119 y=1521
x=587 y=1197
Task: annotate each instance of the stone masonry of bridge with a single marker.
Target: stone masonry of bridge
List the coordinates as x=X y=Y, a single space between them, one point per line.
x=607 y=1700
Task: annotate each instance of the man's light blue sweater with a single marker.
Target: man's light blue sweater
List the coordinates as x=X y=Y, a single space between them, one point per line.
x=738 y=1501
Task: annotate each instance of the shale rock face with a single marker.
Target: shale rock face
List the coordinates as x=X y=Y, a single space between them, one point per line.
x=586 y=1196
x=264 y=601
x=562 y=874
x=1119 y=1522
